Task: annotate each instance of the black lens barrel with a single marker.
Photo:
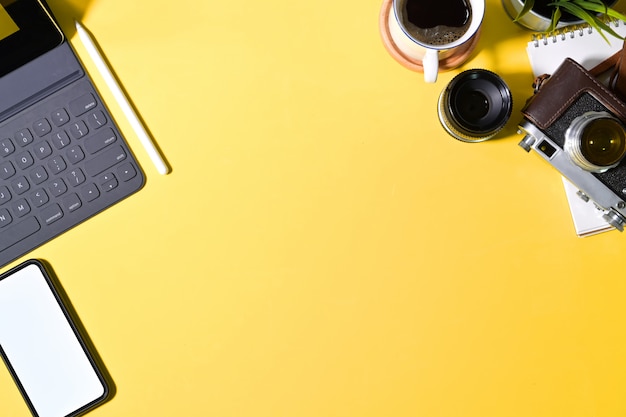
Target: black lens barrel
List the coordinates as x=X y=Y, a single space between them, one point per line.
x=475 y=105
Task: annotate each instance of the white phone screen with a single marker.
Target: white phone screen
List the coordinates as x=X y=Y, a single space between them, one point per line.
x=42 y=348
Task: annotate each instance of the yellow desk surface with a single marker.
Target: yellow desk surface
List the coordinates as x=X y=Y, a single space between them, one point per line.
x=322 y=247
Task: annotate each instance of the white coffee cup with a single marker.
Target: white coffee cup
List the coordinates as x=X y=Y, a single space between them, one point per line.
x=429 y=54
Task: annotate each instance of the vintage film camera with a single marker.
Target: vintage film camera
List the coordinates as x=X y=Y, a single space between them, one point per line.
x=578 y=125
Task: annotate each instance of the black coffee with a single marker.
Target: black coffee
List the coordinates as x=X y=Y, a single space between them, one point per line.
x=437 y=23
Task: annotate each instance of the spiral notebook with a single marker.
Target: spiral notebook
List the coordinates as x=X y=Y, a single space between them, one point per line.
x=587 y=47
x=580 y=42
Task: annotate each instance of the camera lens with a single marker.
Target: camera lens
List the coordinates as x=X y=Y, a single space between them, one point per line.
x=475 y=105
x=596 y=141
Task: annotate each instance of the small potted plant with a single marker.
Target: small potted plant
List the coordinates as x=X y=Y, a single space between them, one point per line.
x=547 y=15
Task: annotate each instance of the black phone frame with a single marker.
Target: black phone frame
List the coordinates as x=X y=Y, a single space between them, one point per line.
x=83 y=340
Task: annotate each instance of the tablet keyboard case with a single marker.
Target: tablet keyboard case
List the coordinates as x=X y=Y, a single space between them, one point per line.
x=62 y=157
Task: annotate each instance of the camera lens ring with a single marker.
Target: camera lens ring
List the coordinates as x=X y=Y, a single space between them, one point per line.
x=475 y=105
x=596 y=141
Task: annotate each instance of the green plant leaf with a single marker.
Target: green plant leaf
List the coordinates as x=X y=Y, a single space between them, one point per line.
x=556 y=16
x=600 y=8
x=573 y=8
x=528 y=5
x=602 y=25
x=593 y=20
x=596 y=2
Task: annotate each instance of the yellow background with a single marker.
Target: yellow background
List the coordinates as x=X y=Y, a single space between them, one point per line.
x=322 y=247
x=7 y=25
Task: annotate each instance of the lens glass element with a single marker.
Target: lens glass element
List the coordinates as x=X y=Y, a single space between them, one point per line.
x=596 y=141
x=472 y=106
x=603 y=142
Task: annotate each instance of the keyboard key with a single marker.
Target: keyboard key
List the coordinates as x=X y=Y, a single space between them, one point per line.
x=105 y=177
x=96 y=119
x=78 y=129
x=23 y=137
x=105 y=160
x=24 y=160
x=20 y=185
x=75 y=154
x=100 y=140
x=60 y=139
x=7 y=170
x=82 y=104
x=57 y=187
x=21 y=208
x=76 y=177
x=90 y=192
x=38 y=175
x=59 y=117
x=18 y=232
x=42 y=127
x=5 y=218
x=72 y=202
x=51 y=214
x=39 y=197
x=5 y=195
x=43 y=150
x=57 y=164
x=110 y=185
x=6 y=147
x=126 y=172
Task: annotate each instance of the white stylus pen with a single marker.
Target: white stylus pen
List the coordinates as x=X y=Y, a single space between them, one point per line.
x=122 y=100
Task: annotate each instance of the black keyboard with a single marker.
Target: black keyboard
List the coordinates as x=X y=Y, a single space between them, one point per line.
x=62 y=161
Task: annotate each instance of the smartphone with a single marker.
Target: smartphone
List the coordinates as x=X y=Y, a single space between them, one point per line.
x=41 y=345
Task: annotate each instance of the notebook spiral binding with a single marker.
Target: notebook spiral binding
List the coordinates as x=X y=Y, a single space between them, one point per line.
x=571 y=32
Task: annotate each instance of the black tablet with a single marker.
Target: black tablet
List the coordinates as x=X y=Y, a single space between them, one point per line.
x=27 y=30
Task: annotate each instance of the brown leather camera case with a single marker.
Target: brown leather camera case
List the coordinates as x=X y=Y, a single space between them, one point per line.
x=560 y=90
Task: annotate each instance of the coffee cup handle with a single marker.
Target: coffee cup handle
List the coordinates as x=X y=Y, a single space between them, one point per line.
x=430 y=62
